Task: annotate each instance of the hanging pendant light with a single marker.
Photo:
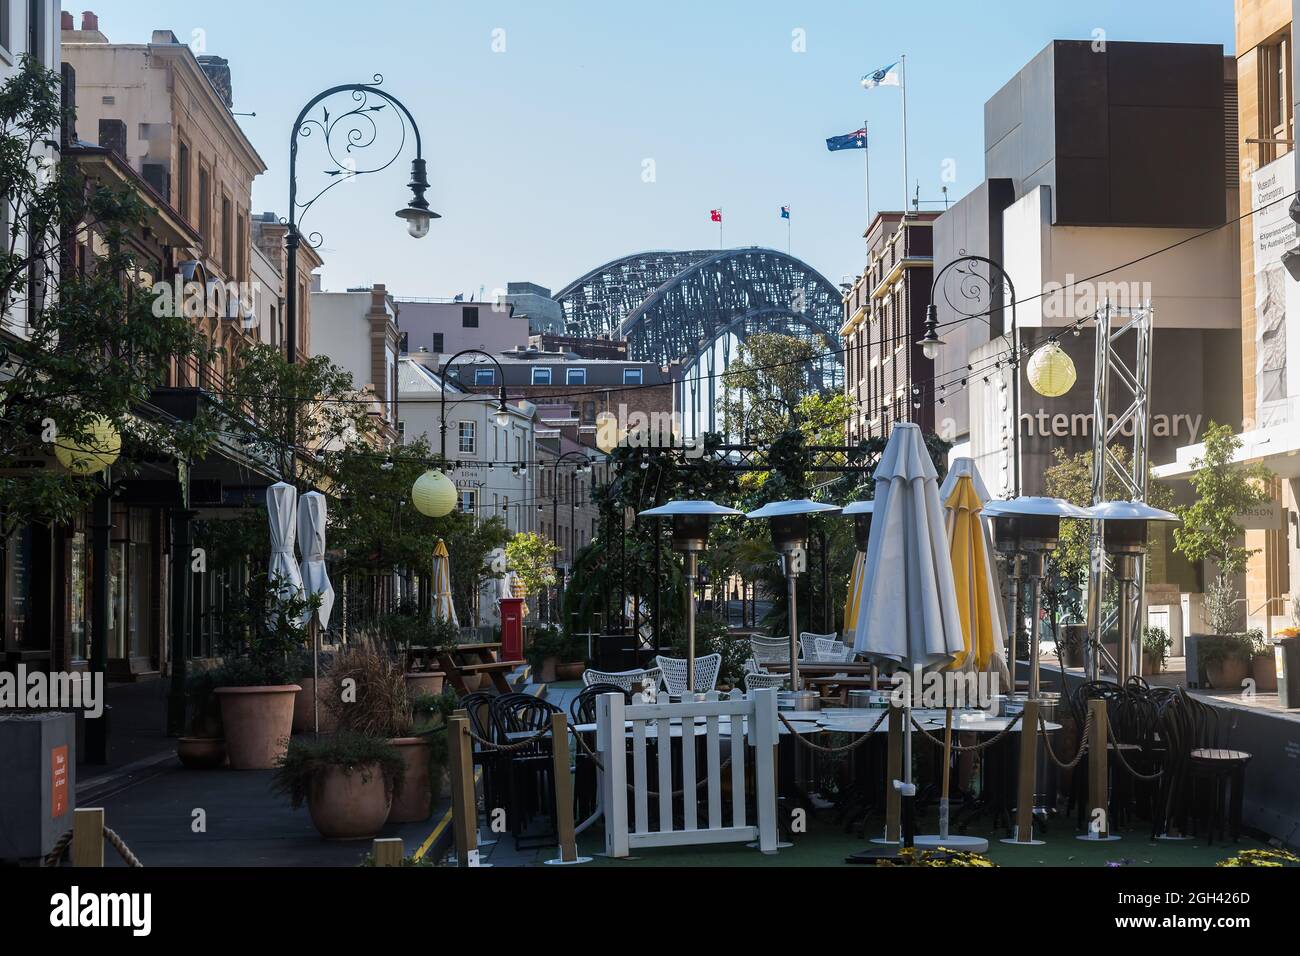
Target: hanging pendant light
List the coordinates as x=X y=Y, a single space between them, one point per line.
x=1051 y=371
x=434 y=494
x=95 y=451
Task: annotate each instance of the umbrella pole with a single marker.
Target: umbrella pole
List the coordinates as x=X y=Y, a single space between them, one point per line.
x=907 y=790
x=315 y=676
x=692 y=569
x=947 y=770
x=791 y=583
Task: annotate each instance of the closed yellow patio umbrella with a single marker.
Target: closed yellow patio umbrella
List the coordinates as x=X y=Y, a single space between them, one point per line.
x=443 y=608
x=855 y=592
x=970 y=564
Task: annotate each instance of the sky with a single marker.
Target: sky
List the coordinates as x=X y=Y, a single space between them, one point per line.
x=563 y=134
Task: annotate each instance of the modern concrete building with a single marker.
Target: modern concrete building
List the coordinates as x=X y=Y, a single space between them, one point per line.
x=358 y=331
x=1096 y=161
x=886 y=376
x=534 y=303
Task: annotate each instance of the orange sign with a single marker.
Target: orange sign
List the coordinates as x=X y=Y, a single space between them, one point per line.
x=59 y=781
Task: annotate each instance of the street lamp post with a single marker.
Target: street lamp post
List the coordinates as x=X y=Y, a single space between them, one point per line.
x=555 y=503
x=502 y=413
x=351 y=131
x=971 y=289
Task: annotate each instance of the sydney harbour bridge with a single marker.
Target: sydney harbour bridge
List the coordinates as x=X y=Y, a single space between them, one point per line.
x=695 y=307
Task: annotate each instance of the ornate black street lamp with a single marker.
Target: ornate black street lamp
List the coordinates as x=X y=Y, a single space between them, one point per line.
x=582 y=468
x=346 y=135
x=973 y=289
x=502 y=413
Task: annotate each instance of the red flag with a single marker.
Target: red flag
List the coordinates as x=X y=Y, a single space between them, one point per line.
x=715 y=215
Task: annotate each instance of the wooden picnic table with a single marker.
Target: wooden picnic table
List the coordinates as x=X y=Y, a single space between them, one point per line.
x=469 y=660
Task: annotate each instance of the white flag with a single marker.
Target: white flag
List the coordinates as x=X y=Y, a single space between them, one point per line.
x=889 y=76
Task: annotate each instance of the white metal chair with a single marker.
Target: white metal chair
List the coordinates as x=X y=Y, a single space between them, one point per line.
x=631 y=682
x=831 y=650
x=760 y=680
x=674 y=673
x=769 y=650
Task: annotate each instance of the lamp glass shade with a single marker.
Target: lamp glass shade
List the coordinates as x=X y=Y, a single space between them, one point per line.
x=434 y=494
x=417 y=221
x=1050 y=371
x=97 y=448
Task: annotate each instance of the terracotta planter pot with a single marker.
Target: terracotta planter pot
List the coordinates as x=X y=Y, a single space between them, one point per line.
x=1228 y=673
x=424 y=682
x=303 y=719
x=1151 y=664
x=348 y=805
x=570 y=671
x=201 y=753
x=1070 y=646
x=258 y=722
x=414 y=801
x=547 y=672
x=1264 y=670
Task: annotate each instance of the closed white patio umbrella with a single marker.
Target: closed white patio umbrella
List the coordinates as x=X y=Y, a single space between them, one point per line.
x=908 y=616
x=312 y=513
x=282 y=514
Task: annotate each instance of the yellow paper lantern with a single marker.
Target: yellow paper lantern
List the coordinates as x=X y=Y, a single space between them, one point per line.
x=1051 y=372
x=434 y=494
x=98 y=448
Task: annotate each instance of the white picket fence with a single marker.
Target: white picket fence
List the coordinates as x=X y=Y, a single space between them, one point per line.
x=722 y=718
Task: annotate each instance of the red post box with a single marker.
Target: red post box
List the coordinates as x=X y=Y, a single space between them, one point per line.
x=512 y=629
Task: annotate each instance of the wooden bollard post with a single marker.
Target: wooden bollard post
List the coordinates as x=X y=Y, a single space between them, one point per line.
x=464 y=805
x=1028 y=777
x=894 y=771
x=1098 y=821
x=88 y=836
x=563 y=789
x=388 y=851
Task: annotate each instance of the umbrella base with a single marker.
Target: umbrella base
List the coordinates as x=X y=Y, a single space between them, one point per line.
x=1172 y=836
x=954 y=841
x=1096 y=838
x=559 y=862
x=1013 y=841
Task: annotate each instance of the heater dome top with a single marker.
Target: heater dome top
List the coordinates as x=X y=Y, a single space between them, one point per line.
x=1034 y=506
x=1128 y=511
x=682 y=507
x=797 y=506
x=859 y=508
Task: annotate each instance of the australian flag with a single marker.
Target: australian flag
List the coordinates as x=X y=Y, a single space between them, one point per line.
x=785 y=212
x=855 y=140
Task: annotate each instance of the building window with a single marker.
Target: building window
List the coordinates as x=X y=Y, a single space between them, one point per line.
x=437 y=342
x=205 y=205
x=575 y=376
x=1275 y=118
x=541 y=376
x=401 y=432
x=4 y=25
x=467 y=435
x=227 y=239
x=469 y=317
x=183 y=181
x=588 y=413
x=468 y=501
x=632 y=376
x=482 y=376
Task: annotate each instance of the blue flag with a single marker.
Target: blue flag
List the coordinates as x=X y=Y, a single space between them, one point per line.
x=855 y=140
x=785 y=212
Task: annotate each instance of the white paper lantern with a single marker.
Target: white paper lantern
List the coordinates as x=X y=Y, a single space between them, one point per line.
x=434 y=494
x=1051 y=372
x=93 y=452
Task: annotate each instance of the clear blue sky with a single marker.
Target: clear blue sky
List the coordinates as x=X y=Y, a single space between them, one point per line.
x=536 y=153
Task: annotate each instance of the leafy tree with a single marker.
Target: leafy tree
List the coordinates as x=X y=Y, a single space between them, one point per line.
x=97 y=342
x=1209 y=529
x=763 y=387
x=532 y=559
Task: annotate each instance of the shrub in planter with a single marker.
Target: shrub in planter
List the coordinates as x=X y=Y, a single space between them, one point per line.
x=1070 y=643
x=256 y=711
x=1155 y=649
x=347 y=782
x=1226 y=658
x=1263 y=664
x=547 y=647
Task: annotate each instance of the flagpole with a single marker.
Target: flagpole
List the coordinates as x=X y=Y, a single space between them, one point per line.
x=902 y=82
x=789 y=248
x=866 y=164
x=719 y=227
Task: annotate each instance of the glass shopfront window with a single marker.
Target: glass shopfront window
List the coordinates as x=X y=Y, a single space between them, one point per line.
x=132 y=579
x=78 y=594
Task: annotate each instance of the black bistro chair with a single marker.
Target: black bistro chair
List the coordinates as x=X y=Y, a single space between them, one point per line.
x=529 y=786
x=582 y=710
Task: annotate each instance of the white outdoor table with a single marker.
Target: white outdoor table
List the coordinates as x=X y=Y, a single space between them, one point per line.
x=802 y=725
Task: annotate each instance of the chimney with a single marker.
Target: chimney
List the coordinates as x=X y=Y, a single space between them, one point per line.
x=218 y=70
x=66 y=22
x=89 y=22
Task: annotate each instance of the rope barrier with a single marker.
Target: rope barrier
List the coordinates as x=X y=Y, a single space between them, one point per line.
x=973 y=748
x=1083 y=742
x=833 y=750
x=630 y=787
x=55 y=855
x=1119 y=753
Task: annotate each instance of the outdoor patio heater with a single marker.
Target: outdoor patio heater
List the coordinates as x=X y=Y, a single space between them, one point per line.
x=790 y=529
x=860 y=512
x=1124 y=536
x=690 y=536
x=1027 y=529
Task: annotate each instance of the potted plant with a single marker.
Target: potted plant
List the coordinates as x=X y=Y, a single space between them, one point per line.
x=204 y=747
x=405 y=629
x=547 y=647
x=304 y=704
x=347 y=781
x=377 y=705
x=1070 y=642
x=1227 y=659
x=1155 y=649
x=262 y=634
x=430 y=713
x=1263 y=664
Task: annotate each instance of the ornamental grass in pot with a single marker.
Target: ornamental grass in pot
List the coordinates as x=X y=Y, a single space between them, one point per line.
x=347 y=781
